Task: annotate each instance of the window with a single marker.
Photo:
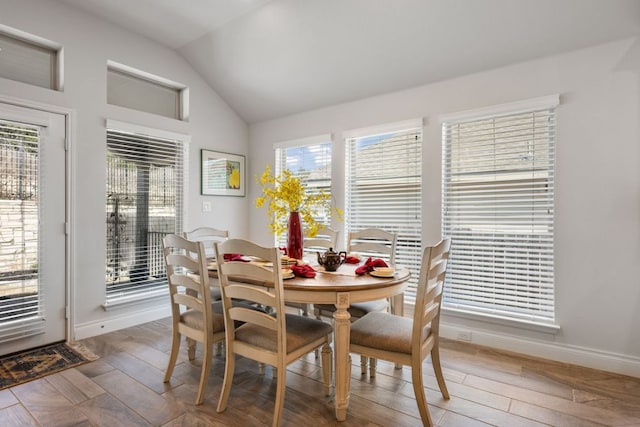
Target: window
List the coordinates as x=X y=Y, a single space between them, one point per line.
x=384 y=186
x=310 y=160
x=20 y=291
x=26 y=61
x=498 y=208
x=143 y=204
x=135 y=89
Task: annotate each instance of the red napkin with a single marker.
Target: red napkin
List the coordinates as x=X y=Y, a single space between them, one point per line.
x=369 y=265
x=352 y=260
x=235 y=257
x=303 y=270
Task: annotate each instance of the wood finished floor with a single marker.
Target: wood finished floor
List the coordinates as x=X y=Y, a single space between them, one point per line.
x=124 y=388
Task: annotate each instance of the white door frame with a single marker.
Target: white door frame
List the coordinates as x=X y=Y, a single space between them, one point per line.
x=69 y=118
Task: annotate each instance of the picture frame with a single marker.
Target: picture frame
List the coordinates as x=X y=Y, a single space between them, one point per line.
x=222 y=174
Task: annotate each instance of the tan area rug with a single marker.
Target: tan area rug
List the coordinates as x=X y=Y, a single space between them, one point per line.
x=18 y=368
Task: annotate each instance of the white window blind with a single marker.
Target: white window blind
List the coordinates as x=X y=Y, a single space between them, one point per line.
x=143 y=204
x=21 y=306
x=311 y=162
x=384 y=180
x=498 y=208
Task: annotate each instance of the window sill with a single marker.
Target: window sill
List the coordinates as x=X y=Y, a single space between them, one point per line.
x=136 y=299
x=548 y=328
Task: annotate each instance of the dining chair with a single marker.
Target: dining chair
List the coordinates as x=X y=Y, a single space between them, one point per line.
x=275 y=339
x=192 y=311
x=209 y=236
x=409 y=341
x=373 y=242
x=325 y=239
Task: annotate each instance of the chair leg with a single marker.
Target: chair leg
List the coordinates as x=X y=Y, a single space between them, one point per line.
x=437 y=368
x=219 y=348
x=191 y=348
x=373 y=363
x=418 y=389
x=280 y=389
x=204 y=374
x=175 y=347
x=229 y=368
x=364 y=362
x=327 y=367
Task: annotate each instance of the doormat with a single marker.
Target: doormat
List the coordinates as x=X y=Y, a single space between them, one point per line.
x=18 y=368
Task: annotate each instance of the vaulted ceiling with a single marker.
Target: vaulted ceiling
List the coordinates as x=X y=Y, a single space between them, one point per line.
x=272 y=58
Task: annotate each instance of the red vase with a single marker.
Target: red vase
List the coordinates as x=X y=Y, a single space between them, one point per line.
x=294 y=236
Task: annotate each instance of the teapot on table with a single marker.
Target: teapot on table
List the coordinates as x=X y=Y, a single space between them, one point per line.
x=331 y=260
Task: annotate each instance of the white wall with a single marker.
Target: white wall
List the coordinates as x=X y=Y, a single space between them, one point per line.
x=88 y=44
x=597 y=224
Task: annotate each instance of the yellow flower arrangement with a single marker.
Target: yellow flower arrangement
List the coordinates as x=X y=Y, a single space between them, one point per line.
x=285 y=193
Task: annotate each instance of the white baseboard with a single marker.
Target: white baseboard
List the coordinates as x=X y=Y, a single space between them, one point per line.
x=91 y=329
x=595 y=359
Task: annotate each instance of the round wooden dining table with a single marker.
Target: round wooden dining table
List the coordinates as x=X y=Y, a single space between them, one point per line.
x=342 y=288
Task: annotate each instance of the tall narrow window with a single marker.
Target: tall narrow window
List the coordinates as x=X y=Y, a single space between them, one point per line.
x=310 y=160
x=498 y=208
x=384 y=180
x=143 y=204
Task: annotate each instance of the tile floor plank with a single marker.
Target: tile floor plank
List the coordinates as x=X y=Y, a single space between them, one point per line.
x=47 y=405
x=150 y=405
x=16 y=416
x=7 y=398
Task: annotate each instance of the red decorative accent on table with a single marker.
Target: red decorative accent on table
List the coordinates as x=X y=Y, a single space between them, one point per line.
x=294 y=236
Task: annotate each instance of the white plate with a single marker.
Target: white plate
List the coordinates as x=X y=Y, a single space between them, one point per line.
x=378 y=274
x=287 y=273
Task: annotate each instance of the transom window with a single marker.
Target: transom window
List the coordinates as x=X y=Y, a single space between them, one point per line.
x=24 y=60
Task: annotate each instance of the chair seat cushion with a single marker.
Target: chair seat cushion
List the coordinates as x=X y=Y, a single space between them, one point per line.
x=193 y=318
x=216 y=294
x=357 y=309
x=300 y=332
x=383 y=331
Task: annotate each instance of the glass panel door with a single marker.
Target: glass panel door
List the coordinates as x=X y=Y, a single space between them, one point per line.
x=32 y=232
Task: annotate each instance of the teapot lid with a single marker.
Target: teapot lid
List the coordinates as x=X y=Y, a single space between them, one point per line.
x=330 y=252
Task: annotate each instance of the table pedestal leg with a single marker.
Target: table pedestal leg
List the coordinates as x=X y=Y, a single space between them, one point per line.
x=341 y=333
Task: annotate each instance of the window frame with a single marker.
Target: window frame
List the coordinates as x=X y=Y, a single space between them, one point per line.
x=456 y=308
x=408 y=254
x=146 y=81
x=280 y=160
x=32 y=43
x=182 y=141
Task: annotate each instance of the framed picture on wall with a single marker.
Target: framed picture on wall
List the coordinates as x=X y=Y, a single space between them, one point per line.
x=222 y=174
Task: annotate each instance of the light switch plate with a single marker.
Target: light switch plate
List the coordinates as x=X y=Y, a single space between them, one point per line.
x=206 y=206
